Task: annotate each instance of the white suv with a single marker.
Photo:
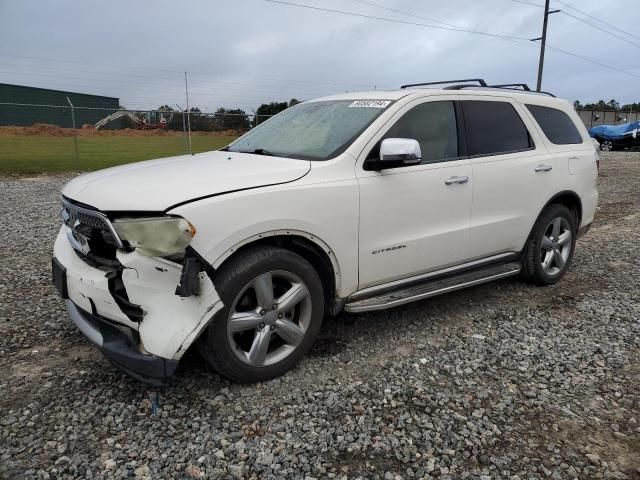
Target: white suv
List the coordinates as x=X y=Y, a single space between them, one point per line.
x=354 y=202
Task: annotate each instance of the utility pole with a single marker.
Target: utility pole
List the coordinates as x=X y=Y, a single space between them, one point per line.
x=186 y=91
x=543 y=42
x=73 y=124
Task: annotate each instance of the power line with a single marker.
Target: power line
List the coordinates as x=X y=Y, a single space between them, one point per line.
x=191 y=73
x=175 y=85
x=597 y=27
x=163 y=96
x=406 y=22
x=383 y=7
x=597 y=19
x=591 y=60
x=517 y=40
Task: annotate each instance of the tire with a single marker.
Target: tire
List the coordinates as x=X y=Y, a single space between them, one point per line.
x=234 y=342
x=545 y=265
x=607 y=146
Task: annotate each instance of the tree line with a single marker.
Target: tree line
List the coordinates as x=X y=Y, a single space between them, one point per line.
x=611 y=105
x=223 y=118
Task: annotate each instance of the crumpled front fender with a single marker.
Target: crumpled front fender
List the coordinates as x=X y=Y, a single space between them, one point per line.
x=171 y=323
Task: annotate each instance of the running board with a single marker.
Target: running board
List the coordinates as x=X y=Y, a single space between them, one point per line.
x=433 y=288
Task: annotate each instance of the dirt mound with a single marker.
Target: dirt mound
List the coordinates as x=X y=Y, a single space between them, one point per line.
x=43 y=129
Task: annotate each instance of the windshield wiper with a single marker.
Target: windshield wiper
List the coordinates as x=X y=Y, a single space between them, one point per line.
x=259 y=151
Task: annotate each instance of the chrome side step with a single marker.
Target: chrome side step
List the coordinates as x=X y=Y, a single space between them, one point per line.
x=432 y=288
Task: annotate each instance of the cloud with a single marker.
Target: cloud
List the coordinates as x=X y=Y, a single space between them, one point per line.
x=246 y=52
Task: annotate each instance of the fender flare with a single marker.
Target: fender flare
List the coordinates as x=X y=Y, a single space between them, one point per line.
x=280 y=233
x=553 y=199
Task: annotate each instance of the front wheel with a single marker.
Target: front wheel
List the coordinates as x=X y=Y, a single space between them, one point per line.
x=549 y=250
x=273 y=309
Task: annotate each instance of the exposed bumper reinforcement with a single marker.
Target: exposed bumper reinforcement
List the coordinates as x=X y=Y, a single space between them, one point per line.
x=120 y=349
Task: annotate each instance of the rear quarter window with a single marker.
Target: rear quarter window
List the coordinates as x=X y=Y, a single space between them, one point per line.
x=556 y=125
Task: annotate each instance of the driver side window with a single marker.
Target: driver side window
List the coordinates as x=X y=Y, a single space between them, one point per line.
x=433 y=125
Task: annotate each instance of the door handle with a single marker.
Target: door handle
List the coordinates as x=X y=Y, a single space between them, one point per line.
x=544 y=168
x=452 y=180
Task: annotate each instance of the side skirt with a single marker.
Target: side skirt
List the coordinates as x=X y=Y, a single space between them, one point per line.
x=432 y=287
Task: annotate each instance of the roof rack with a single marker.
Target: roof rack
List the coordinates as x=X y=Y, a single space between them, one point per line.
x=480 y=83
x=514 y=86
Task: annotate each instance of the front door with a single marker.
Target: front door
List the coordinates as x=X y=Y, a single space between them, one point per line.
x=415 y=219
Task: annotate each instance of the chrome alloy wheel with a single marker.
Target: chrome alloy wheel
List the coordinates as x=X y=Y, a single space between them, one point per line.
x=556 y=246
x=269 y=318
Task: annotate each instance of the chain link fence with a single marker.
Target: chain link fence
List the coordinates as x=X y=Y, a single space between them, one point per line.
x=57 y=138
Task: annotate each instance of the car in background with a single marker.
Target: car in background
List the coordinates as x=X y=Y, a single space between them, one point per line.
x=617 y=137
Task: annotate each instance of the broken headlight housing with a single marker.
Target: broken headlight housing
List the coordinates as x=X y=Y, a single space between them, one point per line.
x=155 y=236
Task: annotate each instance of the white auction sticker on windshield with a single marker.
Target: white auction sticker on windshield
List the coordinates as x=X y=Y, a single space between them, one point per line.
x=370 y=103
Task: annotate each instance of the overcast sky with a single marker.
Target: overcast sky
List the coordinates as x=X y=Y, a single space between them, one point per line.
x=245 y=52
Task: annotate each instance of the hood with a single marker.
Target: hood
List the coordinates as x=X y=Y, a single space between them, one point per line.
x=157 y=185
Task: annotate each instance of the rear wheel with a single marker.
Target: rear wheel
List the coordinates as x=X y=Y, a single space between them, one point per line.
x=606 y=145
x=273 y=309
x=550 y=247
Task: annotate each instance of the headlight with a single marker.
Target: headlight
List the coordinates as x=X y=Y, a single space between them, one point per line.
x=156 y=236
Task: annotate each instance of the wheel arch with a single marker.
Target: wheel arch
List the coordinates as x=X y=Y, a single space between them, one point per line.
x=569 y=199
x=309 y=246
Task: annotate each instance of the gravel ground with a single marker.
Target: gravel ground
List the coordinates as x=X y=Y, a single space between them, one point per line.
x=499 y=381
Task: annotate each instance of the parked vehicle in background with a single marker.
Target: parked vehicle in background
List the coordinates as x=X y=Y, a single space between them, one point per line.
x=617 y=137
x=355 y=202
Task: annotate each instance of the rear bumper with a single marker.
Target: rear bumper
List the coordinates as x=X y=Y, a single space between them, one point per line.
x=117 y=345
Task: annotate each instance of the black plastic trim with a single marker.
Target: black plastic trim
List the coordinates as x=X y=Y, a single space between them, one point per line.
x=192 y=265
x=59 y=278
x=480 y=81
x=582 y=231
x=123 y=353
x=119 y=293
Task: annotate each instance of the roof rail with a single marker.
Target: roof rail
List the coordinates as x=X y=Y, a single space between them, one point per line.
x=480 y=81
x=514 y=86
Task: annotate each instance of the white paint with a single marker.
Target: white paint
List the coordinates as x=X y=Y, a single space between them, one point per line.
x=154 y=185
x=170 y=322
x=345 y=210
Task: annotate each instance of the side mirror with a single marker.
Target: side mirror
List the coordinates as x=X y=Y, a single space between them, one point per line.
x=405 y=151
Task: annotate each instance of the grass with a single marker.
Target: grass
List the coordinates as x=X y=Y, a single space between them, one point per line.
x=23 y=154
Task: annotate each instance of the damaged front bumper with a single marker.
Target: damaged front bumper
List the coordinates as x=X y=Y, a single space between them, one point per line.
x=133 y=311
x=119 y=347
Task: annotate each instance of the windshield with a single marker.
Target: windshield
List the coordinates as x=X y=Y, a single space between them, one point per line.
x=311 y=131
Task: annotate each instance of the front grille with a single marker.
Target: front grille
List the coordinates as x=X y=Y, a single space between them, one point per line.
x=91 y=233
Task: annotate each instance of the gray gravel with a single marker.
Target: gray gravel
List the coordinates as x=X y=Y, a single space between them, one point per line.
x=500 y=381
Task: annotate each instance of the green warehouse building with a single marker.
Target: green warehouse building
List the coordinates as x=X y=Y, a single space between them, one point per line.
x=32 y=109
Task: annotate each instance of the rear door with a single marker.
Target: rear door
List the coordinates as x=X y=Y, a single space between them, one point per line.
x=513 y=174
x=413 y=219
x=573 y=150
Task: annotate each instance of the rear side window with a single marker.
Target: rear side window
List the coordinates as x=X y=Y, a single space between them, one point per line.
x=494 y=128
x=433 y=125
x=556 y=125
